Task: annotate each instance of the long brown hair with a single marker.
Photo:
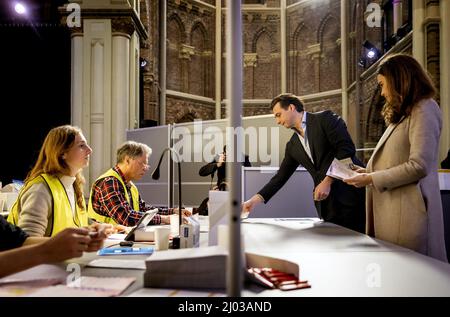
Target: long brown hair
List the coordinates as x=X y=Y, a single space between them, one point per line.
x=407 y=82
x=50 y=160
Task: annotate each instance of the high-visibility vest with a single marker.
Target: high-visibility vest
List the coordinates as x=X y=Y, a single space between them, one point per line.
x=134 y=195
x=62 y=214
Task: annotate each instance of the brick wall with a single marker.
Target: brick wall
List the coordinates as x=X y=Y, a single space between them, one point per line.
x=179 y=108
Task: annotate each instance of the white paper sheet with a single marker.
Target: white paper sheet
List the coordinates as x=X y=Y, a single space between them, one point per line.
x=340 y=169
x=118 y=264
x=164 y=292
x=113 y=285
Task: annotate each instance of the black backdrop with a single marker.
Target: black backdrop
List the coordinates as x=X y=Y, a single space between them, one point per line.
x=34 y=83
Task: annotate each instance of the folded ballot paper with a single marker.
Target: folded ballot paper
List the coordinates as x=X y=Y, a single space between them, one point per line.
x=341 y=169
x=202 y=267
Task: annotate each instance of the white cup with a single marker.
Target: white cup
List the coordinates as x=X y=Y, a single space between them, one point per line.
x=162 y=238
x=174 y=225
x=223 y=236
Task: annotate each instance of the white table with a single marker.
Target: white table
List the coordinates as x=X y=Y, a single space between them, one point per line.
x=336 y=262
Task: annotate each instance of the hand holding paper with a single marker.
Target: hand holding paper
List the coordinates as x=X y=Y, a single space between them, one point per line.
x=342 y=169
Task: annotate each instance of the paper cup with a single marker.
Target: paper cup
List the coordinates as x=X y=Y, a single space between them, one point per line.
x=162 y=238
x=174 y=225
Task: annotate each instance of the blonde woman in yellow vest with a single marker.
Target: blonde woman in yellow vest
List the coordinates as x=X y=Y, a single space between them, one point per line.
x=114 y=198
x=52 y=197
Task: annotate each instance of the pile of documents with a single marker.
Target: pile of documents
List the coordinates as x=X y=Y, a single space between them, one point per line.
x=187 y=268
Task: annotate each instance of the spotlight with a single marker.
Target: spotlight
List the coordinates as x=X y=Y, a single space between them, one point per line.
x=20 y=8
x=144 y=62
x=372 y=52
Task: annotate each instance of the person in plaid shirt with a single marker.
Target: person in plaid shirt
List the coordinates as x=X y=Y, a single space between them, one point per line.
x=115 y=199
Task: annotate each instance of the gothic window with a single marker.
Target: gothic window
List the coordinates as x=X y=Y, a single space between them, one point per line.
x=330 y=55
x=174 y=40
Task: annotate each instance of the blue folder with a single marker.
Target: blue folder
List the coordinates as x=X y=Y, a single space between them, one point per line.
x=125 y=251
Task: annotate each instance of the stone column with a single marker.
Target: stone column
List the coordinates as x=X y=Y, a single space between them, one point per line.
x=418 y=30
x=105 y=91
x=445 y=77
x=122 y=30
x=76 y=93
x=97 y=43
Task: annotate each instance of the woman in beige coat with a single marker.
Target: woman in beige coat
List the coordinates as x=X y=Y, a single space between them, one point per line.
x=403 y=202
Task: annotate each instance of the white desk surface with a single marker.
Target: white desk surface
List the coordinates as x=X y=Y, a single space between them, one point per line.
x=335 y=261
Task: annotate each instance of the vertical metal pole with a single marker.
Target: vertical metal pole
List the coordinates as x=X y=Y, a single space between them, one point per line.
x=234 y=110
x=218 y=59
x=163 y=63
x=283 y=40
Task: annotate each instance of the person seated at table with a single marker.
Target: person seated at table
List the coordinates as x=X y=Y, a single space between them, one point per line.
x=218 y=164
x=115 y=199
x=52 y=197
x=19 y=251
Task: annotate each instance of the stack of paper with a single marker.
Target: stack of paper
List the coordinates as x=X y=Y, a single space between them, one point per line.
x=87 y=286
x=187 y=268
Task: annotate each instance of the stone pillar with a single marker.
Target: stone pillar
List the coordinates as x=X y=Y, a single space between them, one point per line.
x=105 y=91
x=77 y=76
x=120 y=81
x=445 y=77
x=97 y=43
x=418 y=30
x=432 y=34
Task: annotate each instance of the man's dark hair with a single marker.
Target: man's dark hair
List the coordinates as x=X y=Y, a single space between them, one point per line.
x=287 y=99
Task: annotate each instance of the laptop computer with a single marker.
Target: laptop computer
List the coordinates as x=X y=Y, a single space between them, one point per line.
x=142 y=223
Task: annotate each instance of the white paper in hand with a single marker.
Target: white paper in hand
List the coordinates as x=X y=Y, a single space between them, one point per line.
x=341 y=169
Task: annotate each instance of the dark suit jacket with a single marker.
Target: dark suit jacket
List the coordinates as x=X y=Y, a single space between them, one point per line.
x=328 y=138
x=446 y=162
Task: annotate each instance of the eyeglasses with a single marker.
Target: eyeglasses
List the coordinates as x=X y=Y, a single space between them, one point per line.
x=142 y=163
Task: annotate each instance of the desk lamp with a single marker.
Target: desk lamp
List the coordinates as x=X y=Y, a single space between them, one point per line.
x=155 y=176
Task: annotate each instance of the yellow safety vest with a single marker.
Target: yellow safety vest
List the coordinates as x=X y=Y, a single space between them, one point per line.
x=134 y=195
x=62 y=214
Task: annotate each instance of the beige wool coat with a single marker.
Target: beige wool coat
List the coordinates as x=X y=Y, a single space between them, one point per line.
x=403 y=206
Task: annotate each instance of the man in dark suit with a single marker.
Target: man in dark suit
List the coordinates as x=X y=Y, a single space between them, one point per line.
x=318 y=139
